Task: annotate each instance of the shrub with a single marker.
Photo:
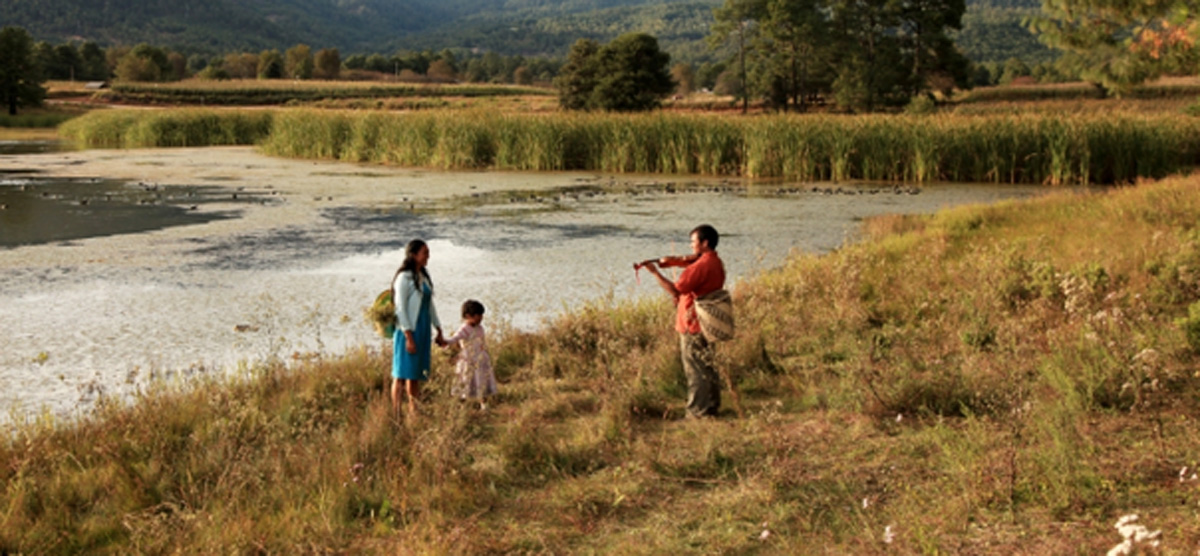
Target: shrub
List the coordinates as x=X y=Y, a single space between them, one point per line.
x=1191 y=326
x=920 y=105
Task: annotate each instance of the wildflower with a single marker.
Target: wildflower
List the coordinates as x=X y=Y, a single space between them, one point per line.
x=1134 y=534
x=1148 y=356
x=899 y=417
x=888 y=534
x=866 y=502
x=765 y=532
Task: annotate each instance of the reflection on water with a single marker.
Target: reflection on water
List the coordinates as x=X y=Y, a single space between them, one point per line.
x=32 y=147
x=71 y=333
x=35 y=210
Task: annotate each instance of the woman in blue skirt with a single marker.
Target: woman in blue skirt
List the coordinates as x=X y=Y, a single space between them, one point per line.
x=416 y=318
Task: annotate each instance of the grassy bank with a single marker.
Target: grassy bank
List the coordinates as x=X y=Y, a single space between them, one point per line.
x=989 y=380
x=276 y=92
x=39 y=118
x=175 y=128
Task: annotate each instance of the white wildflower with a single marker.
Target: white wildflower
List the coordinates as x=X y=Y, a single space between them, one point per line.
x=1126 y=520
x=867 y=502
x=888 y=535
x=765 y=532
x=899 y=417
x=1135 y=534
x=1148 y=356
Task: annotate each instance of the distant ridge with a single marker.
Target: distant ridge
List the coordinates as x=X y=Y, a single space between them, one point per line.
x=992 y=28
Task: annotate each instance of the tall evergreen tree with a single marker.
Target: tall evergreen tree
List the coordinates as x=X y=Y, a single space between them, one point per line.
x=791 y=43
x=92 y=59
x=1118 y=44
x=628 y=74
x=633 y=74
x=578 y=77
x=733 y=22
x=270 y=65
x=20 y=76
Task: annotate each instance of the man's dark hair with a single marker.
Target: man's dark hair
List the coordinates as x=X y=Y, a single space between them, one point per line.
x=708 y=234
x=471 y=308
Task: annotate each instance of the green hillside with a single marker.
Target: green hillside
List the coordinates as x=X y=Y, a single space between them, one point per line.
x=994 y=31
x=679 y=26
x=219 y=25
x=992 y=28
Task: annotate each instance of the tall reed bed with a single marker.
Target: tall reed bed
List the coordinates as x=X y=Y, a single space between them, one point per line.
x=1037 y=149
x=174 y=128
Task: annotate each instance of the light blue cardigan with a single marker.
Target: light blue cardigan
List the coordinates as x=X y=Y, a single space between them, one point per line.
x=407 y=297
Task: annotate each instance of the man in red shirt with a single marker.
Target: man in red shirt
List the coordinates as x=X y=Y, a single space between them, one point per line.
x=704 y=273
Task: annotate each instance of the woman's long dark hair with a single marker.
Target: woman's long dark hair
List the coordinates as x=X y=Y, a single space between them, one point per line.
x=410 y=262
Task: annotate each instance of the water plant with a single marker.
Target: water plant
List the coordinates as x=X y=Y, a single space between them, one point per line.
x=1038 y=149
x=175 y=128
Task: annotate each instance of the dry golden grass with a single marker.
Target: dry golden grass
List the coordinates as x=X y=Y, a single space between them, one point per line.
x=1005 y=379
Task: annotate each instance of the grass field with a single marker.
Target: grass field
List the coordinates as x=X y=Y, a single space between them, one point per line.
x=1007 y=379
x=276 y=92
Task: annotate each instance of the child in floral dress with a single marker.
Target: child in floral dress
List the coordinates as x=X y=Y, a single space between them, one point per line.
x=475 y=377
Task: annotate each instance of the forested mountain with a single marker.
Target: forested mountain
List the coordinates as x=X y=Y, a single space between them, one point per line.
x=680 y=28
x=992 y=29
x=221 y=25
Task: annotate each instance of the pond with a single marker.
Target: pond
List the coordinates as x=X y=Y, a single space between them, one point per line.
x=120 y=267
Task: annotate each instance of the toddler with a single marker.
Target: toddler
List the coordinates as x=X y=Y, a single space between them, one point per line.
x=475 y=378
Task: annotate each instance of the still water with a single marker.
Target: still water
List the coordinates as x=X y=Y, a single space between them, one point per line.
x=109 y=281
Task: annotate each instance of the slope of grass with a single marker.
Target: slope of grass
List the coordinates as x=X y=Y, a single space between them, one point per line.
x=987 y=380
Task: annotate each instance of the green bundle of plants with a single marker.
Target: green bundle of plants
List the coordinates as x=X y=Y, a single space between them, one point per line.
x=382 y=314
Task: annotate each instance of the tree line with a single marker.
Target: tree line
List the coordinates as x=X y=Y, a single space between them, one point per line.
x=862 y=54
x=148 y=63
